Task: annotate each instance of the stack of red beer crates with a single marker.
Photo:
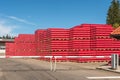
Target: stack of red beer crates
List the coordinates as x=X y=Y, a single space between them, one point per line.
x=41 y=43
x=38 y=39
x=103 y=41
x=82 y=40
x=25 y=45
x=44 y=44
x=53 y=42
x=116 y=46
x=58 y=42
x=10 y=49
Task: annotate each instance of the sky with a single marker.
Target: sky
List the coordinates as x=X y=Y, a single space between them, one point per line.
x=26 y=16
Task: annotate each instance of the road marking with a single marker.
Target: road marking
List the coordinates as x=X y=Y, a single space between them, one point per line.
x=107 y=77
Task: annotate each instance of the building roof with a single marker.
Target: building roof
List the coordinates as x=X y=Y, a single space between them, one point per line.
x=6 y=40
x=116 y=33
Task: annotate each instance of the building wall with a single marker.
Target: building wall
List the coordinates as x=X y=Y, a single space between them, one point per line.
x=3 y=44
x=2 y=51
x=2 y=47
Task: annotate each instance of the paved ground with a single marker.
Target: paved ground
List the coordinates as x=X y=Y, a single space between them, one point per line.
x=108 y=68
x=30 y=69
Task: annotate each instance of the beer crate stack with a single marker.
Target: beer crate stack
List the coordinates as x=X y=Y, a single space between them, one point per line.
x=104 y=42
x=116 y=46
x=25 y=45
x=116 y=40
x=16 y=46
x=82 y=41
x=38 y=39
x=10 y=49
x=58 y=42
x=41 y=46
x=44 y=44
x=43 y=49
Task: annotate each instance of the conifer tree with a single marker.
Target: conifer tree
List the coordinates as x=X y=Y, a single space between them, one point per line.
x=113 y=15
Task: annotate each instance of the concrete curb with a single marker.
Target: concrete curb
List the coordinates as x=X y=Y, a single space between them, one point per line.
x=107 y=68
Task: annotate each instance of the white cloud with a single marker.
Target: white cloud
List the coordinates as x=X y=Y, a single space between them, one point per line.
x=6 y=29
x=21 y=20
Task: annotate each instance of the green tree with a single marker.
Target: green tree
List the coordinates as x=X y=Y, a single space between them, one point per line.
x=113 y=15
x=7 y=36
x=3 y=37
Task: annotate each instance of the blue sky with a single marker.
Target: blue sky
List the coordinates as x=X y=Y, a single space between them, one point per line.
x=26 y=16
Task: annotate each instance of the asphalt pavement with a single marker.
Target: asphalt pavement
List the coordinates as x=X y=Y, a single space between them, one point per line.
x=31 y=69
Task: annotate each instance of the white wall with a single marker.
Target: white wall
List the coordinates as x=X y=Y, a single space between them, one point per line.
x=2 y=51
